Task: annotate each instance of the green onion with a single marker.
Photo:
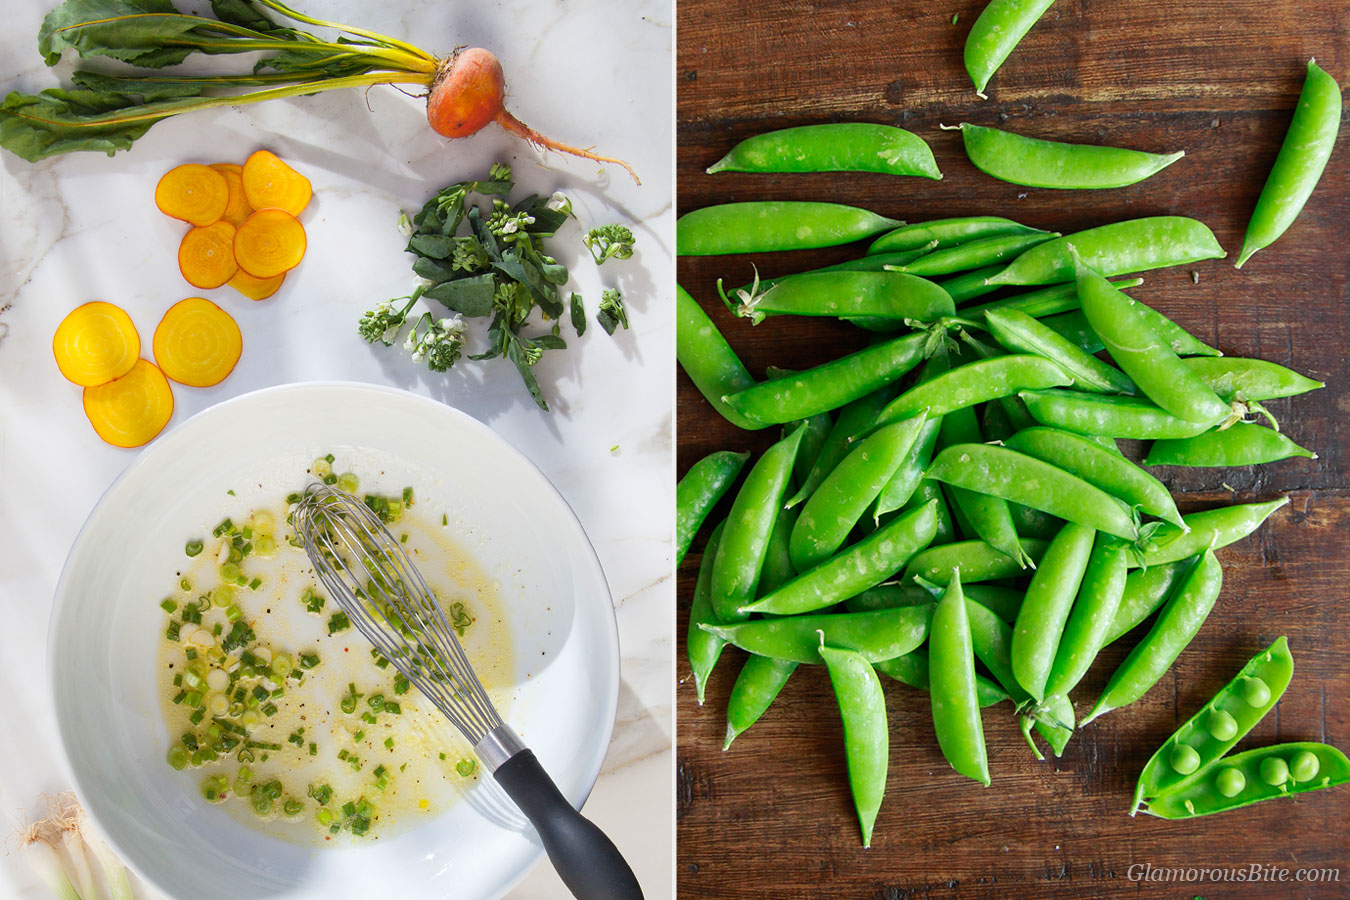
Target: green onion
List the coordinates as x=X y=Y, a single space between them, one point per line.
x=309 y=660
x=178 y=757
x=389 y=743
x=222 y=528
x=171 y=633
x=348 y=482
x=193 y=548
x=338 y=622
x=168 y=605
x=293 y=808
x=466 y=767
x=213 y=788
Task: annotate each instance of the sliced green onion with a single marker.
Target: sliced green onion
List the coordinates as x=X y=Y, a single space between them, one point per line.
x=192 y=548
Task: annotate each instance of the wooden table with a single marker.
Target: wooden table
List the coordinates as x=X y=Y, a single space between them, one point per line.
x=772 y=816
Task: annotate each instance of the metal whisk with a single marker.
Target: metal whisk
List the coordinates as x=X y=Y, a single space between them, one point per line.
x=370 y=576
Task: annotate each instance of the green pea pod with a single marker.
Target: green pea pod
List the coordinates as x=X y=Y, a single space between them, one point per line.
x=834 y=147
x=698 y=492
x=1001 y=25
x=1144 y=354
x=1032 y=523
x=1045 y=610
x=1265 y=773
x=977 y=561
x=1235 y=378
x=877 y=263
x=975 y=383
x=912 y=669
x=969 y=285
x=1303 y=157
x=1042 y=302
x=854 y=420
x=815 y=429
x=1146 y=590
x=1232 y=713
x=1209 y=530
x=929 y=491
x=889 y=295
x=974 y=254
x=1135 y=245
x=1110 y=416
x=858 y=567
x=901 y=488
x=1244 y=444
x=1074 y=326
x=1093 y=611
x=708 y=359
x=1103 y=468
x=1012 y=407
x=956 y=708
x=878 y=635
x=1029 y=481
x=1053 y=164
x=1021 y=333
x=946 y=233
x=830 y=513
x=995 y=424
x=1177 y=624
x=702 y=647
x=1055 y=723
x=866 y=736
x=740 y=558
x=828 y=386
x=1003 y=602
x=763 y=226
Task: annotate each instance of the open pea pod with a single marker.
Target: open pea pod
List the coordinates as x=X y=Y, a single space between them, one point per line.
x=1185 y=757
x=1261 y=774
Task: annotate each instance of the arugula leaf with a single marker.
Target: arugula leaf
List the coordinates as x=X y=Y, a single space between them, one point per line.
x=432 y=270
x=578 y=315
x=467 y=296
x=436 y=246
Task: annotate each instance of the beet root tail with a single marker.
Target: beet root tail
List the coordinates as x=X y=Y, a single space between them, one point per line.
x=519 y=128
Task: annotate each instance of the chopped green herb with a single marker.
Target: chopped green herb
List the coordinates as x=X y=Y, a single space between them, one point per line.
x=338 y=622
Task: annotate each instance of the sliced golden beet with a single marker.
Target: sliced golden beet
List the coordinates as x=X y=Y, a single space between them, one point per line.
x=206 y=255
x=269 y=243
x=129 y=411
x=197 y=343
x=237 y=209
x=193 y=193
x=269 y=182
x=256 y=288
x=96 y=343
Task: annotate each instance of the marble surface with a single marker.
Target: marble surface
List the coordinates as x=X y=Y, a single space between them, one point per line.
x=84 y=227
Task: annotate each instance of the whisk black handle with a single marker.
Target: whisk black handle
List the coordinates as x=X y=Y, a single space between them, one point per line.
x=588 y=862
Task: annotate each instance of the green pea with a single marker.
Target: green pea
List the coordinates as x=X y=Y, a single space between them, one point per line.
x=1185 y=759
x=1000 y=26
x=708 y=359
x=1053 y=164
x=1230 y=781
x=698 y=492
x=1304 y=766
x=946 y=233
x=1244 y=444
x=1255 y=691
x=1303 y=156
x=762 y=226
x=1275 y=771
x=1221 y=725
x=834 y=147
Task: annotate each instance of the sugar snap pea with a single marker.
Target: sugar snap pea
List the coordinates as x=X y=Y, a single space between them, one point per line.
x=969 y=285
x=905 y=481
x=854 y=420
x=740 y=557
x=1209 y=530
x=858 y=567
x=875 y=263
x=1244 y=444
x=946 y=232
x=833 y=147
x=1021 y=333
x=977 y=561
x=1177 y=624
x=1054 y=164
x=1143 y=353
x=1003 y=602
x=877 y=635
x=1075 y=327
x=929 y=491
x=1045 y=609
x=951 y=675
x=698 y=492
x=912 y=669
x=1146 y=590
x=1013 y=408
x=1303 y=156
x=1273 y=668
x=830 y=513
x=1246 y=778
x=707 y=358
x=1092 y=613
x=1104 y=468
x=830 y=385
x=890 y=295
x=1001 y=25
x=815 y=429
x=1135 y=245
x=974 y=254
x=1108 y=415
x=1235 y=378
x=762 y=226
x=1029 y=481
x=975 y=383
x=702 y=647
x=862 y=705
x=1042 y=302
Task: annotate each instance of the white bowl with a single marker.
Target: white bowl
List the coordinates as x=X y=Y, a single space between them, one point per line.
x=107 y=622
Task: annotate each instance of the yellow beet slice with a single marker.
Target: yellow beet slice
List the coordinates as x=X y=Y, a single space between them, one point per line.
x=206 y=255
x=96 y=343
x=237 y=208
x=131 y=410
x=193 y=193
x=197 y=343
x=269 y=243
x=269 y=182
x=256 y=288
